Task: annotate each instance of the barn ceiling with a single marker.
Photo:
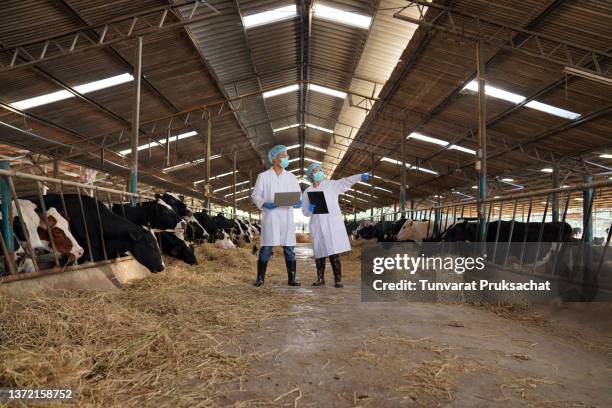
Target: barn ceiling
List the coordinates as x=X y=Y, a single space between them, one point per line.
x=341 y=89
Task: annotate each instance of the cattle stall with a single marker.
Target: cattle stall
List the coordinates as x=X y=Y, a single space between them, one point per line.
x=56 y=207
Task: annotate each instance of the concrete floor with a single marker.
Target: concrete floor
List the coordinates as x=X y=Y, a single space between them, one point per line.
x=336 y=351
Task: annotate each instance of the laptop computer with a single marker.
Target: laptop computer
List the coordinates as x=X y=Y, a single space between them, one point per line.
x=287 y=199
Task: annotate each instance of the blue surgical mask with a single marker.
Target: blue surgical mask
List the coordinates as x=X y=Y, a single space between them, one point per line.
x=319 y=176
x=284 y=162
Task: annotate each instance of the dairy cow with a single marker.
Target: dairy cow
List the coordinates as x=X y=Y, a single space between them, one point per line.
x=155 y=214
x=195 y=231
x=121 y=236
x=40 y=236
x=176 y=203
x=159 y=215
x=174 y=246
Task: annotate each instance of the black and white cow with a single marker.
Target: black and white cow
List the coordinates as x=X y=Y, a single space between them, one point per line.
x=159 y=215
x=176 y=203
x=216 y=234
x=195 y=231
x=155 y=214
x=120 y=235
x=174 y=246
x=209 y=225
x=231 y=229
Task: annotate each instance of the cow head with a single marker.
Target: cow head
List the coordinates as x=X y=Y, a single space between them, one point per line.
x=144 y=248
x=64 y=241
x=415 y=231
x=164 y=216
x=185 y=253
x=177 y=205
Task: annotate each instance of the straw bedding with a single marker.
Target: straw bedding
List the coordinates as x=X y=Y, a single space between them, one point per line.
x=163 y=341
x=302 y=238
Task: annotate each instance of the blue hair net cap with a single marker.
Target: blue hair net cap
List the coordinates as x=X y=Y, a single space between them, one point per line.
x=311 y=170
x=275 y=151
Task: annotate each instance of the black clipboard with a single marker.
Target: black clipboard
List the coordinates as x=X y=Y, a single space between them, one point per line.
x=318 y=199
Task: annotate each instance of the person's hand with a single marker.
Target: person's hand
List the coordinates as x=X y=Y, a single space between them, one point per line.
x=311 y=208
x=298 y=204
x=365 y=177
x=269 y=206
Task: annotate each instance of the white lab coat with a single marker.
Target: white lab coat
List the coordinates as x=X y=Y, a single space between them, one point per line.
x=277 y=225
x=327 y=231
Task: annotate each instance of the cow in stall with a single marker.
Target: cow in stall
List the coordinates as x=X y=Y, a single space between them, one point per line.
x=423 y=230
x=121 y=236
x=217 y=235
x=243 y=232
x=176 y=203
x=156 y=214
x=40 y=236
x=159 y=215
x=177 y=248
x=230 y=229
x=195 y=231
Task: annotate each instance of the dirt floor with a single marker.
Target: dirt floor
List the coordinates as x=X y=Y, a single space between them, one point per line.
x=339 y=352
x=203 y=336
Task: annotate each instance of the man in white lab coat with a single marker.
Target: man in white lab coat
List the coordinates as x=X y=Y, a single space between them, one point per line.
x=277 y=225
x=328 y=233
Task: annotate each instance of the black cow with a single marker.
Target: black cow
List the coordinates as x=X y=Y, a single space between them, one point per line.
x=156 y=214
x=177 y=248
x=120 y=235
x=177 y=205
x=195 y=231
x=214 y=232
x=244 y=232
x=229 y=226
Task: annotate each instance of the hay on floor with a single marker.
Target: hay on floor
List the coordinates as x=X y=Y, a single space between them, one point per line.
x=302 y=238
x=161 y=341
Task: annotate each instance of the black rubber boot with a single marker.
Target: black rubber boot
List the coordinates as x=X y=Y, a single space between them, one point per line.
x=291 y=281
x=320 y=262
x=261 y=272
x=337 y=268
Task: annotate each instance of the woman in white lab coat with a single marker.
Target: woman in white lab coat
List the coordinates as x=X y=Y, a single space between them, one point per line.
x=328 y=233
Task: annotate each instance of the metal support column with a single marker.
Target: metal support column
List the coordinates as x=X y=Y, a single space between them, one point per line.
x=7 y=227
x=588 y=208
x=556 y=183
x=481 y=163
x=136 y=120
x=207 y=189
x=234 y=167
x=250 y=178
x=403 y=186
x=437 y=219
x=371 y=185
